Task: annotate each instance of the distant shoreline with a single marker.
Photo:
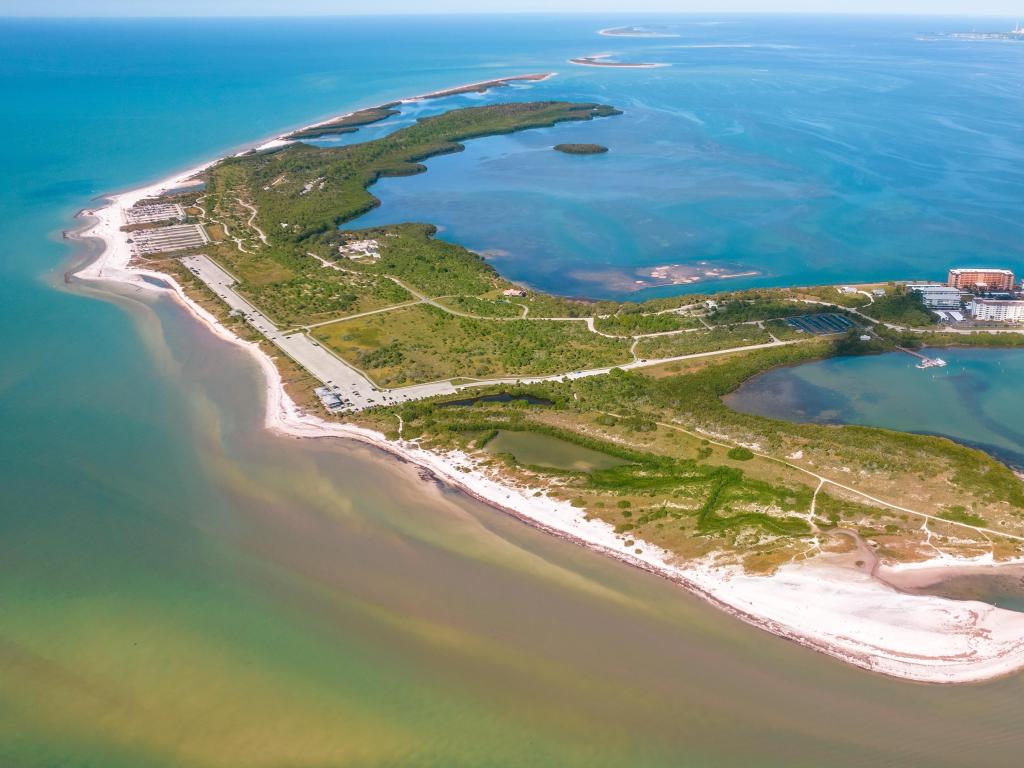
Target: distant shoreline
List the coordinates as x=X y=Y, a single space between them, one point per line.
x=635 y=32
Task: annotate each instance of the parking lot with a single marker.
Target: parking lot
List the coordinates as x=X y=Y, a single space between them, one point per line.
x=345 y=388
x=151 y=214
x=179 y=237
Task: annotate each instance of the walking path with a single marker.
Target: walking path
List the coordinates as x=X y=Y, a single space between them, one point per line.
x=354 y=386
x=822 y=480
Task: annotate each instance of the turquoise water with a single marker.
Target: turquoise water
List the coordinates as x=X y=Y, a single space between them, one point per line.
x=805 y=150
x=180 y=588
x=975 y=399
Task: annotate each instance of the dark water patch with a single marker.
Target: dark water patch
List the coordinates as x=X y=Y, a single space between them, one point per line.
x=532 y=448
x=1003 y=590
x=156 y=281
x=780 y=396
x=501 y=397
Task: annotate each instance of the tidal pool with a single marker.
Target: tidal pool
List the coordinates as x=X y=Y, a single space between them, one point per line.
x=1002 y=587
x=547 y=451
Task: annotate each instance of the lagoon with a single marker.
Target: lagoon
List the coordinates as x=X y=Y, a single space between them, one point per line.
x=973 y=400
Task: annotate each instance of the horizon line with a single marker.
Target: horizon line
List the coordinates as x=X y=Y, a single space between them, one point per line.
x=421 y=14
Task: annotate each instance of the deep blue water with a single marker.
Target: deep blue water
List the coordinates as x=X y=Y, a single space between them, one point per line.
x=804 y=150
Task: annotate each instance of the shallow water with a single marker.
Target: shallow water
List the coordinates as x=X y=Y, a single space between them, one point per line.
x=973 y=400
x=1003 y=589
x=547 y=451
x=181 y=588
x=805 y=150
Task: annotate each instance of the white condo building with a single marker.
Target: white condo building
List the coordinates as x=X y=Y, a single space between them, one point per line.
x=938 y=296
x=997 y=310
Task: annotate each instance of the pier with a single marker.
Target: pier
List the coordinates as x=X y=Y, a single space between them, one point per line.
x=926 y=362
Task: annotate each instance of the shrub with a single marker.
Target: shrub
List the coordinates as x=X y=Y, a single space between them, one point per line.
x=740 y=454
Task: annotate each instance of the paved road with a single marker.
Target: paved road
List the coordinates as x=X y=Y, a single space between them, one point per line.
x=350 y=383
x=353 y=385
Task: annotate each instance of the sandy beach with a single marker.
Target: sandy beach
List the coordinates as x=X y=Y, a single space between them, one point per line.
x=826 y=605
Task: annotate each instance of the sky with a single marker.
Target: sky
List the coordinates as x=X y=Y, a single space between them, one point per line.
x=1005 y=8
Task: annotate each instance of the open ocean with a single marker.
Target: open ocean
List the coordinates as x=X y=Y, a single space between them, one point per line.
x=180 y=588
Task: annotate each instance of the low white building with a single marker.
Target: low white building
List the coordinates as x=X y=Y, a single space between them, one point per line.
x=360 y=249
x=997 y=310
x=938 y=296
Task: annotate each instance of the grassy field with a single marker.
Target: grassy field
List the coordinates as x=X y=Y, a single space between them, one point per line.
x=423 y=343
x=692 y=342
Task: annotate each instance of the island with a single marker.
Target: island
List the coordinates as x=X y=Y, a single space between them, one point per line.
x=635 y=31
x=606 y=60
x=599 y=421
x=1016 y=35
x=581 y=149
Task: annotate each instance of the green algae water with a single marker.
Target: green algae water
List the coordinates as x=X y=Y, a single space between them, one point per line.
x=178 y=587
x=547 y=451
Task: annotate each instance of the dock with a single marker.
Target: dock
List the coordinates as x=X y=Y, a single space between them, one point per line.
x=926 y=362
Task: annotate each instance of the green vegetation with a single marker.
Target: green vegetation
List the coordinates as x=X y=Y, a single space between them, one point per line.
x=581 y=149
x=761 y=306
x=679 y=492
x=693 y=342
x=347 y=124
x=315 y=294
x=829 y=294
x=471 y=305
x=634 y=323
x=901 y=307
x=303 y=191
x=434 y=267
x=422 y=343
x=959 y=514
x=708 y=502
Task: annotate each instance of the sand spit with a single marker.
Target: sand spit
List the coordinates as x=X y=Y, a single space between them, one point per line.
x=837 y=610
x=606 y=60
x=635 y=32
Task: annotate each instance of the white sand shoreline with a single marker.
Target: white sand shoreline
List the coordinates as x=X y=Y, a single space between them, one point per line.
x=836 y=610
x=605 y=61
